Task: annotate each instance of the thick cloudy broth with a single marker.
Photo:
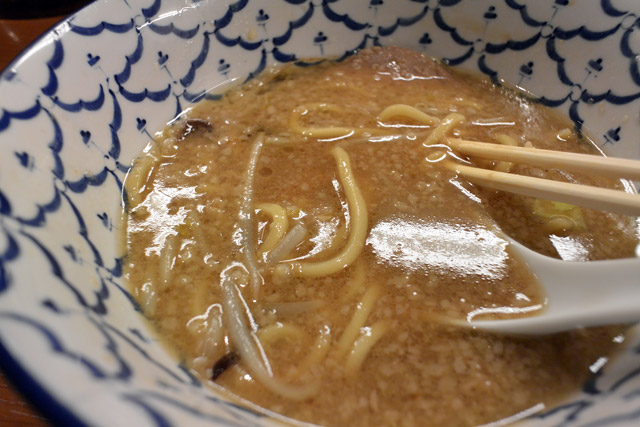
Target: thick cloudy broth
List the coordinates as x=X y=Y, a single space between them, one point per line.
x=301 y=243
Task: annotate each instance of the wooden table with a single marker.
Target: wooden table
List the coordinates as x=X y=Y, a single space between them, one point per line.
x=15 y=35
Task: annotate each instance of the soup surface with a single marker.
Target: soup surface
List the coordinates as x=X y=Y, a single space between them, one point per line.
x=303 y=244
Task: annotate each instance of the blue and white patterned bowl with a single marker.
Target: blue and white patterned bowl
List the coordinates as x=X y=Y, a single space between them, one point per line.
x=81 y=102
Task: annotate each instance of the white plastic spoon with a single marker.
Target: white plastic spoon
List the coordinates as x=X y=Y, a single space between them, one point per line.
x=580 y=294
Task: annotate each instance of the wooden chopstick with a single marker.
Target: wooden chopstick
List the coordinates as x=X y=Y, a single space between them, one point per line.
x=603 y=166
x=582 y=195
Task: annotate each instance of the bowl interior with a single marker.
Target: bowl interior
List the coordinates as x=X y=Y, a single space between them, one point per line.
x=78 y=106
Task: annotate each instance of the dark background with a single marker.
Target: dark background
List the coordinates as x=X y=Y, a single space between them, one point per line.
x=31 y=9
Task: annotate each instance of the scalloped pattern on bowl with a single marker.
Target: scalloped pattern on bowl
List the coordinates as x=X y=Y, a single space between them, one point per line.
x=82 y=101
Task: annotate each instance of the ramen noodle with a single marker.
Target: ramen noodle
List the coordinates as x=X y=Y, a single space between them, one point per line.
x=302 y=245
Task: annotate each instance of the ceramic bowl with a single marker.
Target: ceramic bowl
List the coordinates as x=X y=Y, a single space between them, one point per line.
x=78 y=105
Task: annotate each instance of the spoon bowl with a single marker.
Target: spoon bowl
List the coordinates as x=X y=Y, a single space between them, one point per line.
x=579 y=294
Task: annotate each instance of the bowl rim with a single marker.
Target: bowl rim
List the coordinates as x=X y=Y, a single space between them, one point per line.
x=43 y=400
x=34 y=391
x=32 y=45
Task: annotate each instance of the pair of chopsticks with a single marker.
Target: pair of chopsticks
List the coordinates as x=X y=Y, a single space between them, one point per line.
x=576 y=194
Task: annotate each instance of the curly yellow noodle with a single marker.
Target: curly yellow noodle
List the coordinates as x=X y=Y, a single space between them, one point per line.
x=277 y=331
x=505 y=139
x=358 y=225
x=404 y=110
x=445 y=126
x=315 y=356
x=167 y=259
x=277 y=228
x=324 y=132
x=358 y=320
x=362 y=346
x=136 y=183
